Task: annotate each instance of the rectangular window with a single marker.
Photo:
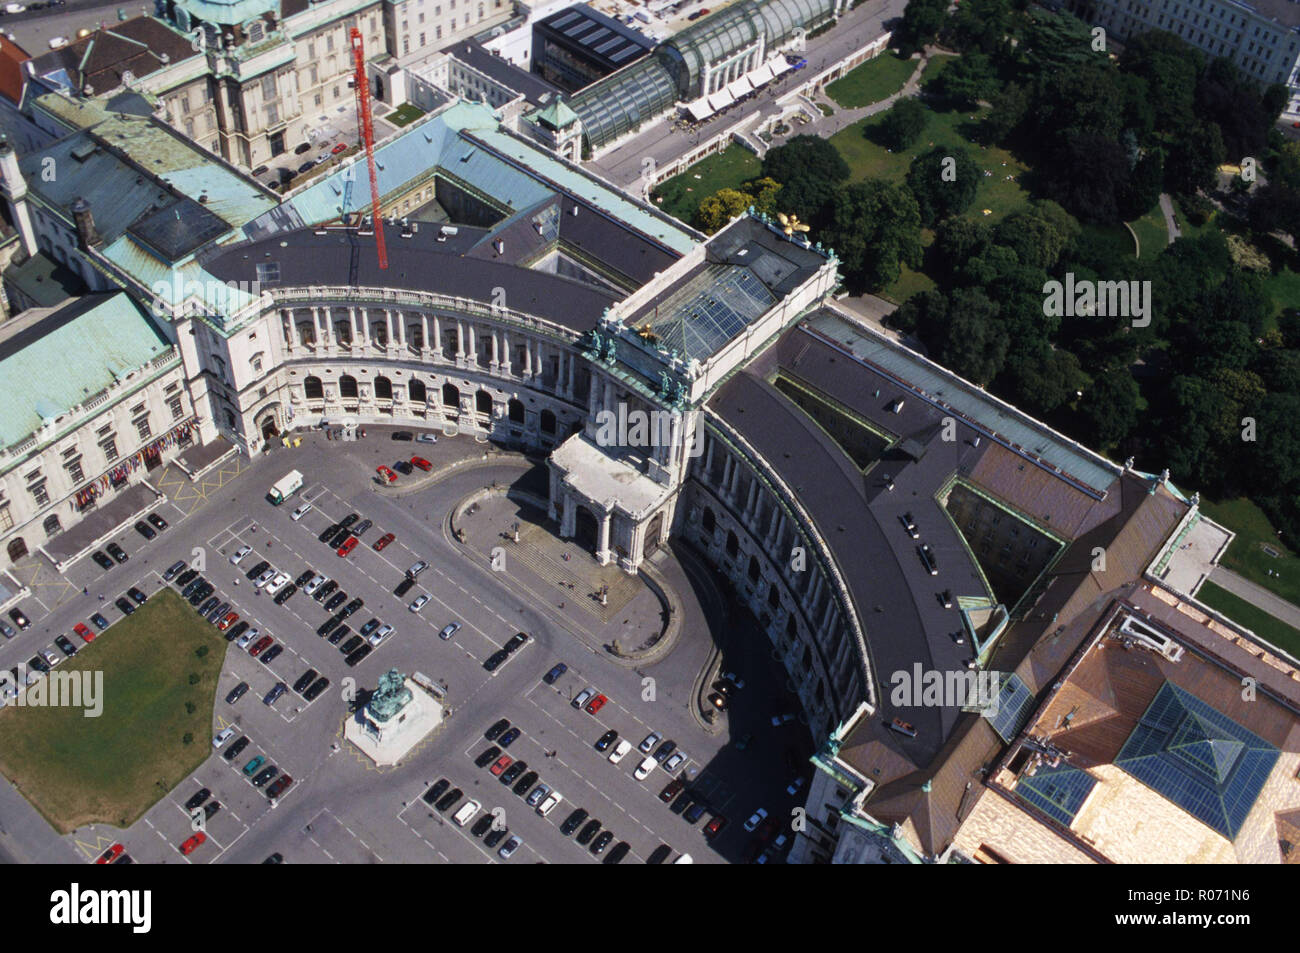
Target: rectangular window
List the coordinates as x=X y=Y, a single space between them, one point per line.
x=268 y=87
x=75 y=473
x=39 y=494
x=272 y=113
x=143 y=429
x=109 y=446
x=6 y=518
x=177 y=406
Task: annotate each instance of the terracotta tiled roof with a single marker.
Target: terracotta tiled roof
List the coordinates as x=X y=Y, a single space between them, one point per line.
x=12 y=57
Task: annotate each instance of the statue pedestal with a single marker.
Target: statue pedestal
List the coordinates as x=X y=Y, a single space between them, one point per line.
x=387 y=742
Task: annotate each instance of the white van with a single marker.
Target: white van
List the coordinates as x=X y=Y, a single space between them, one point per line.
x=551 y=803
x=466 y=813
x=620 y=751
x=684 y=859
x=644 y=768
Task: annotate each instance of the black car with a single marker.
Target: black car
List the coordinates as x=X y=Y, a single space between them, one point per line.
x=306 y=166
x=605 y=740
x=349 y=519
x=435 y=791
x=601 y=842
x=511 y=774
x=618 y=853
x=403 y=435
x=276 y=858
x=509 y=738
x=490 y=754
x=301 y=147
x=336 y=600
x=516 y=641
x=659 y=854
x=137 y=596
x=495 y=659
x=588 y=832
x=187 y=577
x=340 y=538
x=117 y=552
x=210 y=808
x=173 y=570
x=219 y=613
x=353 y=606
x=257 y=570
x=190 y=587
x=358 y=656
x=285 y=594
x=450 y=798
x=20 y=619
x=145 y=530
x=683 y=801
x=495 y=836
x=38 y=663
x=481 y=825
x=201 y=591
x=317 y=687
x=665 y=749
x=271 y=654
x=369 y=627
x=402 y=467
x=340 y=633
x=304 y=680
x=360 y=529
x=236 y=630
x=324 y=591
x=351 y=645
x=201 y=795
x=237 y=693
x=572 y=821
x=404 y=587
x=493 y=733
x=274 y=694
x=211 y=603
x=305 y=577
x=525 y=784
x=328 y=532
x=65 y=645
x=103 y=561
x=100 y=622
x=157 y=522
x=235 y=748
x=329 y=625
x=125 y=605
x=266 y=774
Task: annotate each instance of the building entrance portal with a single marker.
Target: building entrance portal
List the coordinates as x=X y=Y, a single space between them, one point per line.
x=586 y=529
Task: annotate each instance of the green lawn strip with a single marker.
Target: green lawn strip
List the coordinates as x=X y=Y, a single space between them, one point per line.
x=1151 y=232
x=681 y=195
x=77 y=770
x=404 y=115
x=1272 y=630
x=876 y=79
x=1246 y=556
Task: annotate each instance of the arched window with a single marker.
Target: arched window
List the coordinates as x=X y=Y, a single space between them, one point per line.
x=547 y=422
x=383 y=388
x=710 y=522
x=515 y=410
x=483 y=402
x=773 y=596
x=733 y=544
x=312 y=388
x=51 y=525
x=416 y=390
x=450 y=395
x=791 y=627
x=348 y=386
x=753 y=569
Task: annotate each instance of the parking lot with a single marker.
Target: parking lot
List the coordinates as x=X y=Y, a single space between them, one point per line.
x=340 y=806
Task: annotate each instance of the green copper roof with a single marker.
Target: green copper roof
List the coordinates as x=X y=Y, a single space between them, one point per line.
x=558 y=115
x=229 y=11
x=108 y=334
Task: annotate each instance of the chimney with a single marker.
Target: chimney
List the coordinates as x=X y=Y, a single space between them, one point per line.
x=13 y=187
x=85 y=221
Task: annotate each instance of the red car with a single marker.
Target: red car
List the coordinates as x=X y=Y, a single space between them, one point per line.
x=341 y=147
x=189 y=846
x=383 y=541
x=279 y=786
x=230 y=619
x=715 y=826
x=349 y=544
x=422 y=463
x=596 y=704
x=385 y=474
x=110 y=855
x=502 y=763
x=261 y=645
x=84 y=632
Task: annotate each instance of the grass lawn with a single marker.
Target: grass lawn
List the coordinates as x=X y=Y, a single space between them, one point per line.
x=404 y=114
x=110 y=769
x=1271 y=630
x=1116 y=235
x=874 y=80
x=1246 y=556
x=1151 y=232
x=681 y=195
x=1284 y=286
x=867 y=160
x=909 y=283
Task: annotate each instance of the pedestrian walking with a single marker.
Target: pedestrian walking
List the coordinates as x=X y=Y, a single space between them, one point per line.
x=101 y=597
x=85 y=591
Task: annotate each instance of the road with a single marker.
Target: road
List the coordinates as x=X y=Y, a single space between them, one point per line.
x=33 y=29
x=1257 y=595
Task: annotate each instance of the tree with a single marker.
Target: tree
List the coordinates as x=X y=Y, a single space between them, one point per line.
x=1086 y=172
x=1195 y=152
x=980 y=26
x=956 y=240
x=809 y=168
x=1039 y=378
x=1275 y=452
x=875 y=229
x=1170 y=66
x=922 y=21
x=1038 y=234
x=1286 y=170
x=903 y=124
x=944 y=183
x=1144 y=186
x=965 y=335
x=967 y=80
x=720 y=208
x=1108 y=410
x=1056 y=39
x=1010 y=106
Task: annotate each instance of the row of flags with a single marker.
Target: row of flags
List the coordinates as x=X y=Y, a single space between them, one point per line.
x=120 y=473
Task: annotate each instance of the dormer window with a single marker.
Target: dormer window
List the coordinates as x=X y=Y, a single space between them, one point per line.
x=256 y=31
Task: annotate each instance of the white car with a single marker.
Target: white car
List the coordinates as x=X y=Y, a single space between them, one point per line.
x=584 y=696
x=426 y=438
x=315 y=583
x=279 y=582
x=644 y=768
x=466 y=813
x=246 y=639
x=301 y=511
x=674 y=762
x=224 y=735
x=795 y=786
x=51 y=658
x=381 y=633
x=552 y=800
x=239 y=555
x=58 y=41
x=755 y=819
x=420 y=602
x=620 y=751
x=262 y=580
x=649 y=741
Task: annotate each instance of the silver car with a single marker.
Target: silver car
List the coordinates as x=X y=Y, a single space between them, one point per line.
x=649 y=742
x=246 y=639
x=381 y=633
x=674 y=761
x=420 y=602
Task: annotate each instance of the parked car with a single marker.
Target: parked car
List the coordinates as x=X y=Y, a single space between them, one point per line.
x=103 y=561
x=495 y=659
x=448 y=630
x=157 y=522
x=145 y=530
x=301 y=511
x=385 y=474
x=236 y=693
x=117 y=552
x=648 y=742
x=422 y=463
x=419 y=603
x=383 y=541
x=596 y=704
x=607 y=739
x=551 y=677
x=238 y=555
x=189 y=846
x=316 y=688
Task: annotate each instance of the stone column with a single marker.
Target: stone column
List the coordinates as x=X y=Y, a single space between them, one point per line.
x=460 y=342
x=352 y=322
x=289 y=329
x=503 y=365
x=471 y=350
x=602 y=553
x=424 y=335
x=528 y=359
x=319 y=343
x=437 y=337
x=388 y=323
x=365 y=328
x=496 y=351
x=734 y=486
x=569 y=366
x=401 y=330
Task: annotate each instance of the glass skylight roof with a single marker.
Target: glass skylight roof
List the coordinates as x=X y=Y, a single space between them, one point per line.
x=1014 y=706
x=710 y=309
x=1057 y=792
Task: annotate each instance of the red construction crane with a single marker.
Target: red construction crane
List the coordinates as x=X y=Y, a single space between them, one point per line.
x=368 y=136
